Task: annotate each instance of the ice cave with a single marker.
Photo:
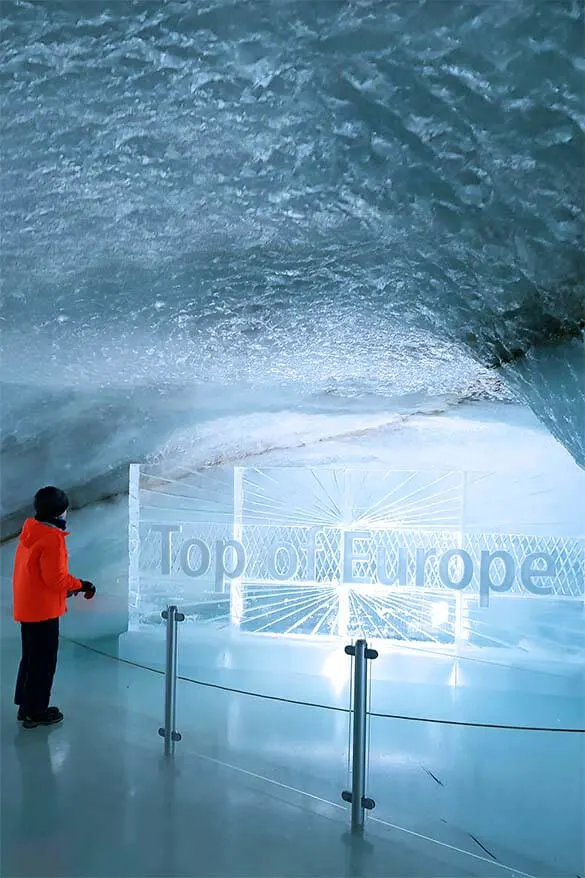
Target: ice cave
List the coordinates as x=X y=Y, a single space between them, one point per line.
x=293 y=309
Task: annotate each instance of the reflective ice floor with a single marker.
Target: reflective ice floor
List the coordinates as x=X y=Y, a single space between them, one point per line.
x=94 y=797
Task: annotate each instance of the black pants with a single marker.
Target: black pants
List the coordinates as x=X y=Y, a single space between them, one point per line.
x=40 y=645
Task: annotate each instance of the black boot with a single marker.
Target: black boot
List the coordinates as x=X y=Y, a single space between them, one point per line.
x=49 y=717
x=21 y=716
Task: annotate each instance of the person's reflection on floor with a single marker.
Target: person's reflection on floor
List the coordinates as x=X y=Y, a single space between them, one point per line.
x=42 y=835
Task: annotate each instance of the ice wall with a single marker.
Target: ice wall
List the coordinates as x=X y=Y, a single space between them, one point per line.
x=551 y=379
x=265 y=198
x=310 y=233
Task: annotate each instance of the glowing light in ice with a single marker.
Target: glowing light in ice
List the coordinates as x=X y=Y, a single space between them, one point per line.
x=439 y=614
x=336 y=669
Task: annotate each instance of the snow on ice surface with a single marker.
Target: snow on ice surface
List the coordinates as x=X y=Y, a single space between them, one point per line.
x=259 y=207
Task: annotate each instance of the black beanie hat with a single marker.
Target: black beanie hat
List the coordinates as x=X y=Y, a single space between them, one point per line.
x=50 y=503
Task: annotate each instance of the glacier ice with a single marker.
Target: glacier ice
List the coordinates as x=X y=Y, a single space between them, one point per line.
x=311 y=234
x=350 y=201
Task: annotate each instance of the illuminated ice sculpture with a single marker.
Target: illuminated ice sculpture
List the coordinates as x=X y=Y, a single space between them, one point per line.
x=425 y=556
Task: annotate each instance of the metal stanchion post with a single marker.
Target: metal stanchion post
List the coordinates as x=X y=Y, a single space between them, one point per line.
x=357 y=796
x=169 y=733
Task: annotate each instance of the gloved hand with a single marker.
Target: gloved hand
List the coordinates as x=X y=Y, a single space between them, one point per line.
x=88 y=589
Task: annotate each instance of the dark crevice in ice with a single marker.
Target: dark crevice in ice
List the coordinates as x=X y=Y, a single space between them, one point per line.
x=482 y=846
x=436 y=779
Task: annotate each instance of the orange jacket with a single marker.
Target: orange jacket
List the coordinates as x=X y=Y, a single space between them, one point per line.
x=41 y=579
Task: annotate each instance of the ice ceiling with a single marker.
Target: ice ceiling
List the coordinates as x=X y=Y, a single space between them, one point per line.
x=277 y=199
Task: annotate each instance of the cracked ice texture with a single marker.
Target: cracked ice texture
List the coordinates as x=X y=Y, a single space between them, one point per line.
x=357 y=199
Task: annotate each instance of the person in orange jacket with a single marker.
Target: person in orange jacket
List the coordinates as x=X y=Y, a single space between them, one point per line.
x=41 y=585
